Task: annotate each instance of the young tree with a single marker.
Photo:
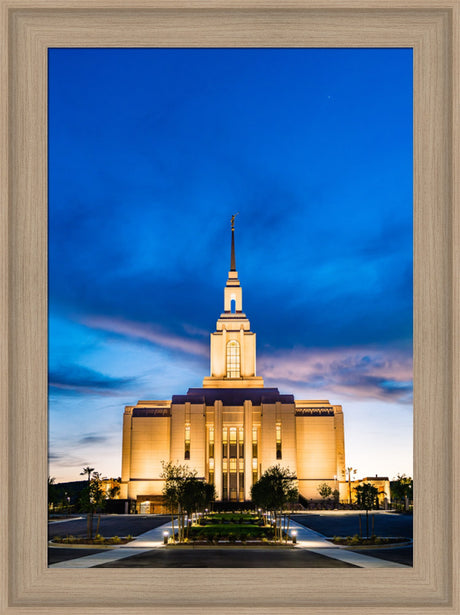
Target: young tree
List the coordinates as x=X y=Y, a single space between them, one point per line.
x=184 y=493
x=366 y=496
x=325 y=491
x=174 y=477
x=273 y=491
x=92 y=499
x=336 y=497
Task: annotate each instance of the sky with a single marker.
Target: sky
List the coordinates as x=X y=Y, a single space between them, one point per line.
x=150 y=153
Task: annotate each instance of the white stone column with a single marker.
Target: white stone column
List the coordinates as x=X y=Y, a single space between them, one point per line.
x=218 y=448
x=247 y=449
x=242 y=352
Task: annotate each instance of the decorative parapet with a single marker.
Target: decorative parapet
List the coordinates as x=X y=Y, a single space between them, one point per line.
x=146 y=412
x=314 y=412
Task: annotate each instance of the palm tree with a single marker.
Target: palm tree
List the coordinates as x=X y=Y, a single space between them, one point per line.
x=88 y=471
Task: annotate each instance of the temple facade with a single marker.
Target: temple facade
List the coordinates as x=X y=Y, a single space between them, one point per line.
x=233 y=428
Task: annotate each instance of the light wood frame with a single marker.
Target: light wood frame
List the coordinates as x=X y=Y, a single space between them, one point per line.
x=29 y=27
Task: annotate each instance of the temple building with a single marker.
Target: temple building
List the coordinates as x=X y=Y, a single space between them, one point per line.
x=233 y=428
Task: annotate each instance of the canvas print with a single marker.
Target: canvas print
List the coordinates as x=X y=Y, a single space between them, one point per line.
x=230 y=308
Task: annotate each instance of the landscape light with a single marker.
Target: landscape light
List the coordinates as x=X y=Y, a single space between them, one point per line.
x=294 y=536
x=165 y=537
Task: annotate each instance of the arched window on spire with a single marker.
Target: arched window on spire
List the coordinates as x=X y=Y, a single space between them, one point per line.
x=233 y=359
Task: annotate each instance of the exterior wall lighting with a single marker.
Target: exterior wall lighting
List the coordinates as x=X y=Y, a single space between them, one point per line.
x=165 y=537
x=294 y=536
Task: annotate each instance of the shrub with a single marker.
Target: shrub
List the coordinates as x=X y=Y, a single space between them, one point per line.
x=355 y=540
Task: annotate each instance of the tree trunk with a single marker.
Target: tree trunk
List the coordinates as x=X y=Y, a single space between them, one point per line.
x=287 y=529
x=90 y=525
x=98 y=524
x=367 y=523
x=172 y=526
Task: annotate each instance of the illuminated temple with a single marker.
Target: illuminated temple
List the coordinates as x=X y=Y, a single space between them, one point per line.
x=233 y=428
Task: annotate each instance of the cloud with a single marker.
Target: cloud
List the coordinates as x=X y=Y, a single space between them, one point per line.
x=66 y=460
x=92 y=439
x=79 y=380
x=358 y=372
x=147 y=333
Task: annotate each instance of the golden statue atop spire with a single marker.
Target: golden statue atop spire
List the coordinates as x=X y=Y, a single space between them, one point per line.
x=233 y=220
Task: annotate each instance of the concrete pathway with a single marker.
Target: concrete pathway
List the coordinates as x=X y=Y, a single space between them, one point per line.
x=153 y=539
x=317 y=543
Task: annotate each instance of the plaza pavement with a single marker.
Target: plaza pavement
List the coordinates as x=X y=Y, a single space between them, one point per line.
x=153 y=539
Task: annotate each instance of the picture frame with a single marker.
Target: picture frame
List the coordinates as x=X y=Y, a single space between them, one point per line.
x=29 y=28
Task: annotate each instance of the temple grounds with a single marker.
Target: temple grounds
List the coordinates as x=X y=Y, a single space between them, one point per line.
x=141 y=552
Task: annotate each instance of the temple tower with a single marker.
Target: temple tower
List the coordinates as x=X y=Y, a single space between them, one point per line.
x=233 y=344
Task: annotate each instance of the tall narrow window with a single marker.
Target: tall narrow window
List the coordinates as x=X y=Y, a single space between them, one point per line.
x=254 y=442
x=254 y=471
x=224 y=442
x=211 y=471
x=232 y=442
x=211 y=442
x=233 y=359
x=278 y=441
x=187 y=441
x=241 y=442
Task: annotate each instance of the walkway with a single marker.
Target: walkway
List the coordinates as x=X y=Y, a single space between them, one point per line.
x=317 y=543
x=152 y=539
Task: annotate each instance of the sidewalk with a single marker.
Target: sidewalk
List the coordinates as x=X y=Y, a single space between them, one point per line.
x=152 y=539
x=317 y=543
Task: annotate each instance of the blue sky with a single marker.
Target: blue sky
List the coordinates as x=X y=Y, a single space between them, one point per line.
x=150 y=152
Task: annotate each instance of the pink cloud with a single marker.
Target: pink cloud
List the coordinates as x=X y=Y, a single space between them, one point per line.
x=358 y=372
x=147 y=333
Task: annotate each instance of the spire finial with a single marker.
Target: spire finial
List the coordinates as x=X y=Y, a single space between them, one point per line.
x=232 y=257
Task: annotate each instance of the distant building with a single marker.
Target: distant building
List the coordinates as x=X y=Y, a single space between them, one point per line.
x=381 y=483
x=233 y=428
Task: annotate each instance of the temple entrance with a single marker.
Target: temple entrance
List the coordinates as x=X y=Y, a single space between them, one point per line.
x=233 y=463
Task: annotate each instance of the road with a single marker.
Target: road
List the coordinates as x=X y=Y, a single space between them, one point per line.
x=346 y=523
x=228 y=557
x=111 y=525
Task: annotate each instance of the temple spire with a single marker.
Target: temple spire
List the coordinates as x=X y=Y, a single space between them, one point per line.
x=232 y=256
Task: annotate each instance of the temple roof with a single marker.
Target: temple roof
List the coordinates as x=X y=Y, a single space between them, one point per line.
x=233 y=397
